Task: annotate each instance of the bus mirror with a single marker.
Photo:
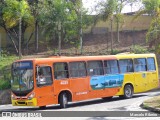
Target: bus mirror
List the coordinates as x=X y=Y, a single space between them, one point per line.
x=11 y=81
x=37 y=70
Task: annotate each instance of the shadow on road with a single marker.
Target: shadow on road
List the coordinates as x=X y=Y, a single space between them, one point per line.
x=82 y=103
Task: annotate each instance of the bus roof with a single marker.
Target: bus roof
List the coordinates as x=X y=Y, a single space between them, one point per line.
x=86 y=58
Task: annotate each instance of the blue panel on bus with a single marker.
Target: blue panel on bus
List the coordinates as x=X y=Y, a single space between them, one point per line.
x=23 y=65
x=106 y=81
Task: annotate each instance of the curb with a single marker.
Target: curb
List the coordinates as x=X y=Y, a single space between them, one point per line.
x=152 y=109
x=156 y=89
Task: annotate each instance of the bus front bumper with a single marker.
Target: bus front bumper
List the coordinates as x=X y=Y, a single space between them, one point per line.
x=32 y=102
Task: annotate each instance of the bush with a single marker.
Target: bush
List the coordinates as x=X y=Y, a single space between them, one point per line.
x=115 y=51
x=137 y=49
x=5 y=71
x=4 y=53
x=5 y=84
x=5 y=78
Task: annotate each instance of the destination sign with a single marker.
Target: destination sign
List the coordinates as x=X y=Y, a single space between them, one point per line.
x=23 y=65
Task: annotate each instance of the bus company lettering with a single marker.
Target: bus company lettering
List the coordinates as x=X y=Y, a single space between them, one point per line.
x=81 y=93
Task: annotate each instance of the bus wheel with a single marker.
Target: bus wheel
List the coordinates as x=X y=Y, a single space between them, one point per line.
x=128 y=91
x=63 y=100
x=107 y=98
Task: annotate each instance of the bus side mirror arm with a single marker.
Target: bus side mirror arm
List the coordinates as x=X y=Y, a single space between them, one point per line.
x=37 y=69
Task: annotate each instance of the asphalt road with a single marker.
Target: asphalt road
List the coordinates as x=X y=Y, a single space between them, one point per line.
x=97 y=106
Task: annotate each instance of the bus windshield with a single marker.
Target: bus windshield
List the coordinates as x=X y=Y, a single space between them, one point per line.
x=22 y=76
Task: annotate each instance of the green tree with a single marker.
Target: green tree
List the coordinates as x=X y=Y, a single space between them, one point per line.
x=118 y=16
x=61 y=20
x=35 y=12
x=53 y=17
x=152 y=8
x=107 y=11
x=77 y=7
x=3 y=25
x=13 y=13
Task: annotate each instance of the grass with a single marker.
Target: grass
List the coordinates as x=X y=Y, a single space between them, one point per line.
x=6 y=61
x=153 y=103
x=5 y=71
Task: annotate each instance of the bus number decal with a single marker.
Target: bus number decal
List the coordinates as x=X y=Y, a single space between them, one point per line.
x=64 y=82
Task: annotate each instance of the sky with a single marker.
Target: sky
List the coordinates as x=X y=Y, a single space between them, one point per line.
x=89 y=4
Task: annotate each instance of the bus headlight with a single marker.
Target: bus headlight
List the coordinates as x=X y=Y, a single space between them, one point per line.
x=31 y=96
x=13 y=97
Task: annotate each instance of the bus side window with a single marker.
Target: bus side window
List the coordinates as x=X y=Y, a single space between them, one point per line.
x=77 y=69
x=111 y=67
x=126 y=65
x=95 y=68
x=60 y=70
x=140 y=64
x=151 y=64
x=44 y=76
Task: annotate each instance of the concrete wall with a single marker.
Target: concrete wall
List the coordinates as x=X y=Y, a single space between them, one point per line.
x=128 y=23
x=5 y=97
x=103 y=27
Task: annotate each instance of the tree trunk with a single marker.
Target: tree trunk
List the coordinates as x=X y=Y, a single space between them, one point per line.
x=108 y=40
x=81 y=32
x=36 y=36
x=27 y=43
x=118 y=31
x=59 y=38
x=111 y=35
x=14 y=44
x=20 y=38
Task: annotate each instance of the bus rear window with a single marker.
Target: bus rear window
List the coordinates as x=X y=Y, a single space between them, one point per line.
x=151 y=64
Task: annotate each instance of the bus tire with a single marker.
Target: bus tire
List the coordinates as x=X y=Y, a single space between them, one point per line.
x=128 y=91
x=63 y=100
x=107 y=98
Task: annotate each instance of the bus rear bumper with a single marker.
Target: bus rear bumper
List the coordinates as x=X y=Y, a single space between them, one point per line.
x=32 y=102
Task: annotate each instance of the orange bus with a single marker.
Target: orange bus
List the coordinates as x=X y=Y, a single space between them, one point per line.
x=59 y=80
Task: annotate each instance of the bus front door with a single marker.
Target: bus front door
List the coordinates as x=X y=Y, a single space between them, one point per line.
x=44 y=89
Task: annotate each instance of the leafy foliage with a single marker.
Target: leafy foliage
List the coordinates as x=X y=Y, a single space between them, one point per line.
x=61 y=19
x=152 y=7
x=14 y=10
x=5 y=74
x=137 y=49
